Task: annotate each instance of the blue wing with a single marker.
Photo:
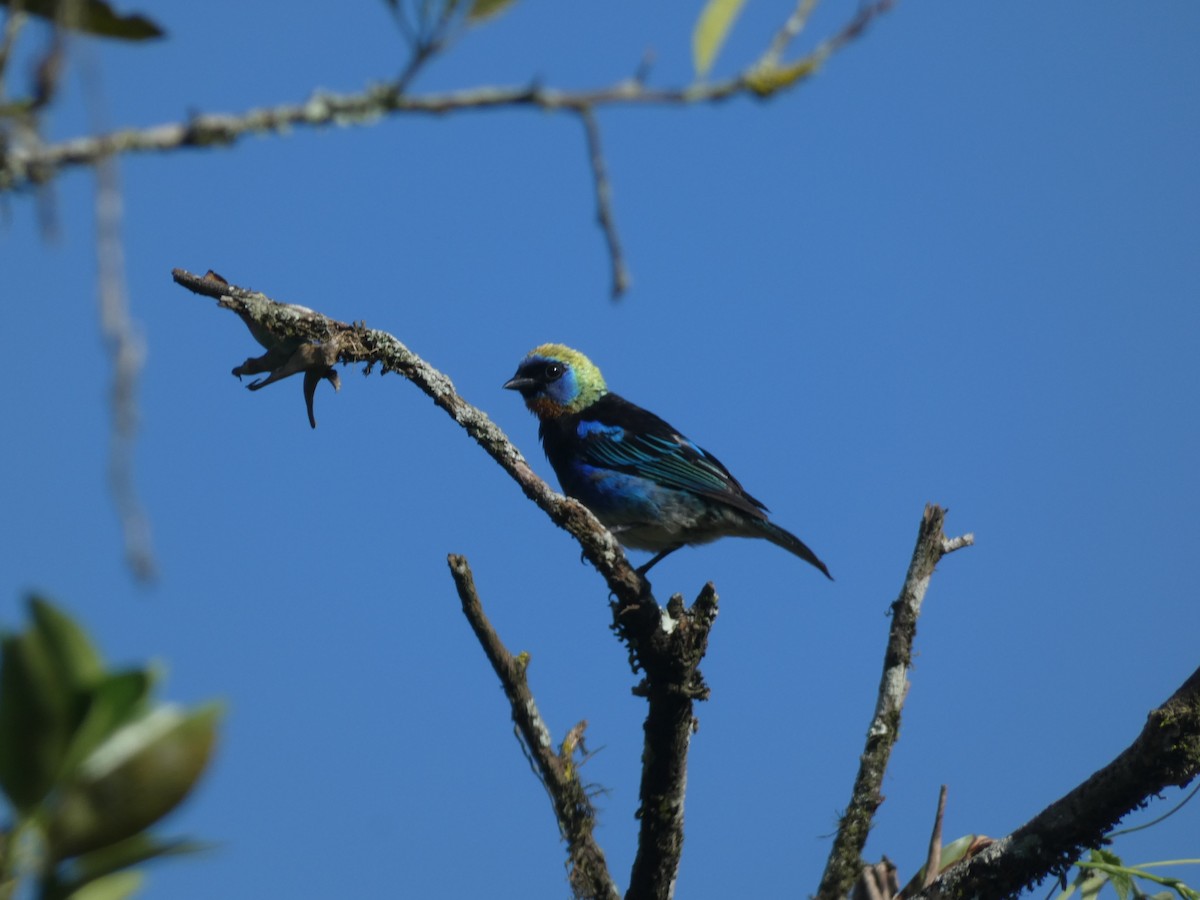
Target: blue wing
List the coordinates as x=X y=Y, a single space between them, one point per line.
x=615 y=434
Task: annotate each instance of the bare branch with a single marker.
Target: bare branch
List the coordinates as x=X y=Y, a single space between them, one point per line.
x=877 y=882
x=845 y=858
x=25 y=165
x=963 y=540
x=573 y=808
x=125 y=346
x=33 y=163
x=620 y=274
x=1166 y=754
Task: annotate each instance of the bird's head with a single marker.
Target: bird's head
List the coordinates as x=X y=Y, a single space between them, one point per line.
x=556 y=380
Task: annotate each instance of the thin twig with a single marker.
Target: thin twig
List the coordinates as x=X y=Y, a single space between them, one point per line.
x=1165 y=754
x=573 y=808
x=789 y=31
x=845 y=858
x=604 y=214
x=933 y=862
x=1157 y=819
x=13 y=20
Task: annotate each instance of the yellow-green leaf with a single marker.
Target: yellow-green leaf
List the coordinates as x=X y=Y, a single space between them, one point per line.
x=716 y=19
x=116 y=886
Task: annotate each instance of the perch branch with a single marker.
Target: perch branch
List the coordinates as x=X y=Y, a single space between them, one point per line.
x=573 y=808
x=845 y=858
x=360 y=345
x=667 y=645
x=1166 y=754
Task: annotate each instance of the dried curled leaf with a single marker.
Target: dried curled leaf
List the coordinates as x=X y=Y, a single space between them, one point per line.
x=314 y=360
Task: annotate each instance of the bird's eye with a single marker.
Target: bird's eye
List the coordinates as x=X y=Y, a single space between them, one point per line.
x=554 y=370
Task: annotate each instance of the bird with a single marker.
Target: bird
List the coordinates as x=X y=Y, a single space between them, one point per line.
x=653 y=488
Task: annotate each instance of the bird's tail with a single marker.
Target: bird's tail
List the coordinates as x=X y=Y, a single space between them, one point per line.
x=791 y=543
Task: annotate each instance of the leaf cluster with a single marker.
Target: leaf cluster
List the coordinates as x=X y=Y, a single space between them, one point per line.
x=1103 y=867
x=88 y=763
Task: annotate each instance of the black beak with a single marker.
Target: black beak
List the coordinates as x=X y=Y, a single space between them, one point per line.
x=520 y=383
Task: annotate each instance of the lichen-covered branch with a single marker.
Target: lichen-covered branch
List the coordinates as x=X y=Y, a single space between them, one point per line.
x=589 y=875
x=287 y=324
x=1166 y=754
x=845 y=862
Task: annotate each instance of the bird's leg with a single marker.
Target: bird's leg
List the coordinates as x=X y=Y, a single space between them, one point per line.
x=663 y=554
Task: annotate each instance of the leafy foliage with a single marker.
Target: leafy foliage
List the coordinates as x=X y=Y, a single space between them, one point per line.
x=88 y=762
x=1104 y=867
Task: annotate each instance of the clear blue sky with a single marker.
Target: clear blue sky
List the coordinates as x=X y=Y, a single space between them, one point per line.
x=962 y=265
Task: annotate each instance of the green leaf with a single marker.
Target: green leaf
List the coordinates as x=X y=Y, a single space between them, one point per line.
x=951 y=853
x=116 y=886
x=1123 y=884
x=956 y=849
x=130 y=852
x=36 y=712
x=716 y=19
x=114 y=702
x=132 y=780
x=1091 y=885
x=93 y=17
x=71 y=649
x=486 y=9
